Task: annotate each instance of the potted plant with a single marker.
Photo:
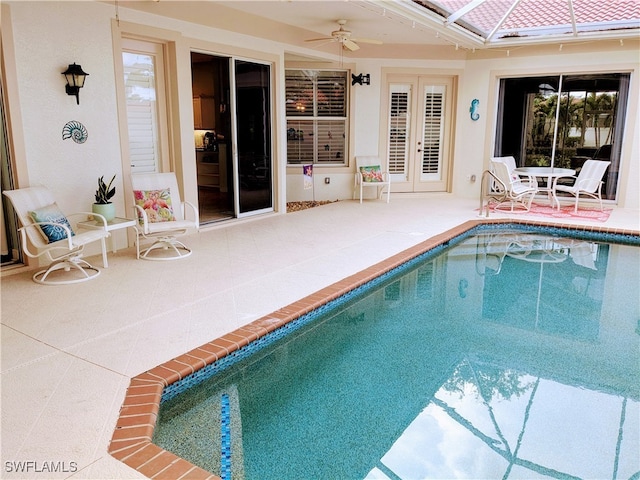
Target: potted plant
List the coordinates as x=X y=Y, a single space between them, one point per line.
x=104 y=193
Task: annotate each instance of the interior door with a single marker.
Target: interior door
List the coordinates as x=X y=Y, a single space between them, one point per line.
x=419 y=119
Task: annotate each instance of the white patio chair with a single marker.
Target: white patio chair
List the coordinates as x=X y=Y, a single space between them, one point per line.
x=46 y=232
x=370 y=173
x=588 y=182
x=518 y=192
x=510 y=162
x=162 y=216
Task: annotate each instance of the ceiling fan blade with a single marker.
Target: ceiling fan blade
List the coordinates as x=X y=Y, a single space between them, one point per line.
x=319 y=39
x=368 y=40
x=350 y=45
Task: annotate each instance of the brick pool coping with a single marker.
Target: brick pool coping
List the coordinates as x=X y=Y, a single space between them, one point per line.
x=131 y=442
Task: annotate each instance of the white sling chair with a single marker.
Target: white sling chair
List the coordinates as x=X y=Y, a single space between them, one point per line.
x=47 y=232
x=588 y=182
x=518 y=193
x=162 y=216
x=510 y=162
x=370 y=173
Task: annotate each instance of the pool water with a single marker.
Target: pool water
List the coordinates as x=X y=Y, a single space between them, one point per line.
x=510 y=354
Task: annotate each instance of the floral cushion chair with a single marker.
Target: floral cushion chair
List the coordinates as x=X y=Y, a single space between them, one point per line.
x=162 y=216
x=370 y=173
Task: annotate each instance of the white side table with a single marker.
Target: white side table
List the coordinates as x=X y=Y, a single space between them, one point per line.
x=115 y=224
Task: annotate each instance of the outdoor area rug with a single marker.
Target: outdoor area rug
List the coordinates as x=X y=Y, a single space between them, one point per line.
x=566 y=211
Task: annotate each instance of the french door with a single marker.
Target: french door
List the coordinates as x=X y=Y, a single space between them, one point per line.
x=418 y=147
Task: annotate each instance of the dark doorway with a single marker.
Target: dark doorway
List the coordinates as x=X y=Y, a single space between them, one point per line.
x=213 y=136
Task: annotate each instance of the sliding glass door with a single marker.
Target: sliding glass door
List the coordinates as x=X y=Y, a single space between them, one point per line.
x=232 y=135
x=564 y=120
x=253 y=137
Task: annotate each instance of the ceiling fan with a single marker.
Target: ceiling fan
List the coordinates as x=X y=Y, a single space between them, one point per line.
x=343 y=37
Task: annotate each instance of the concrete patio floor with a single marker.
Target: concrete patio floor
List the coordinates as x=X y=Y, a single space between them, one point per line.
x=68 y=352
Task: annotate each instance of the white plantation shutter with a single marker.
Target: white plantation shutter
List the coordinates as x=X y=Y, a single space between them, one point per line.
x=433 y=132
x=300 y=144
x=140 y=89
x=299 y=94
x=399 y=124
x=330 y=136
x=331 y=94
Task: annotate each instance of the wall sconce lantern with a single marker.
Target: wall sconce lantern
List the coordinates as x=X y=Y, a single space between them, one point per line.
x=362 y=79
x=75 y=80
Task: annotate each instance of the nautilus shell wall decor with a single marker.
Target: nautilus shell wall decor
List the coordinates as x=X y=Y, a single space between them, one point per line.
x=76 y=131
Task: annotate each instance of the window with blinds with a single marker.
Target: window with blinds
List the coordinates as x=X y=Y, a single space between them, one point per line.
x=140 y=89
x=316 y=108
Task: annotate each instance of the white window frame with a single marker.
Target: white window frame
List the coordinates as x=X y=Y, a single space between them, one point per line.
x=312 y=126
x=157 y=156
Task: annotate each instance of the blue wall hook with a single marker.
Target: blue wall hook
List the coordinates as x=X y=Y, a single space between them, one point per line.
x=474 y=109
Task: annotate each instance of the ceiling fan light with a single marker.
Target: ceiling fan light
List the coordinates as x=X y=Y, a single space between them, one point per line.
x=343 y=37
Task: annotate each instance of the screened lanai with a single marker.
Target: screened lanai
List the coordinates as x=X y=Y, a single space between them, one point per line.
x=514 y=22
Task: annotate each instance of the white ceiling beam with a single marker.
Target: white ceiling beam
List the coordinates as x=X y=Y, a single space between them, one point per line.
x=502 y=20
x=463 y=11
x=573 y=18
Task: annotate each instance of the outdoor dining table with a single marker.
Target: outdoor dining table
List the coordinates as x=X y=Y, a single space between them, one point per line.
x=548 y=173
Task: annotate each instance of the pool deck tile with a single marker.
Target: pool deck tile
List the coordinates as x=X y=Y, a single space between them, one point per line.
x=131 y=441
x=249 y=334
x=155 y=462
x=159 y=463
x=213 y=350
x=151 y=378
x=238 y=338
x=126 y=448
x=181 y=469
x=197 y=356
x=145 y=388
x=141 y=419
x=264 y=325
x=140 y=432
x=225 y=345
x=195 y=362
x=132 y=399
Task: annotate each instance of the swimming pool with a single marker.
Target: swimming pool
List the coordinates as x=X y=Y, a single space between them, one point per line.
x=476 y=350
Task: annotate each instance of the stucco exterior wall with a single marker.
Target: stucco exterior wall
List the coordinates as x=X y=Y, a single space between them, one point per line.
x=47 y=36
